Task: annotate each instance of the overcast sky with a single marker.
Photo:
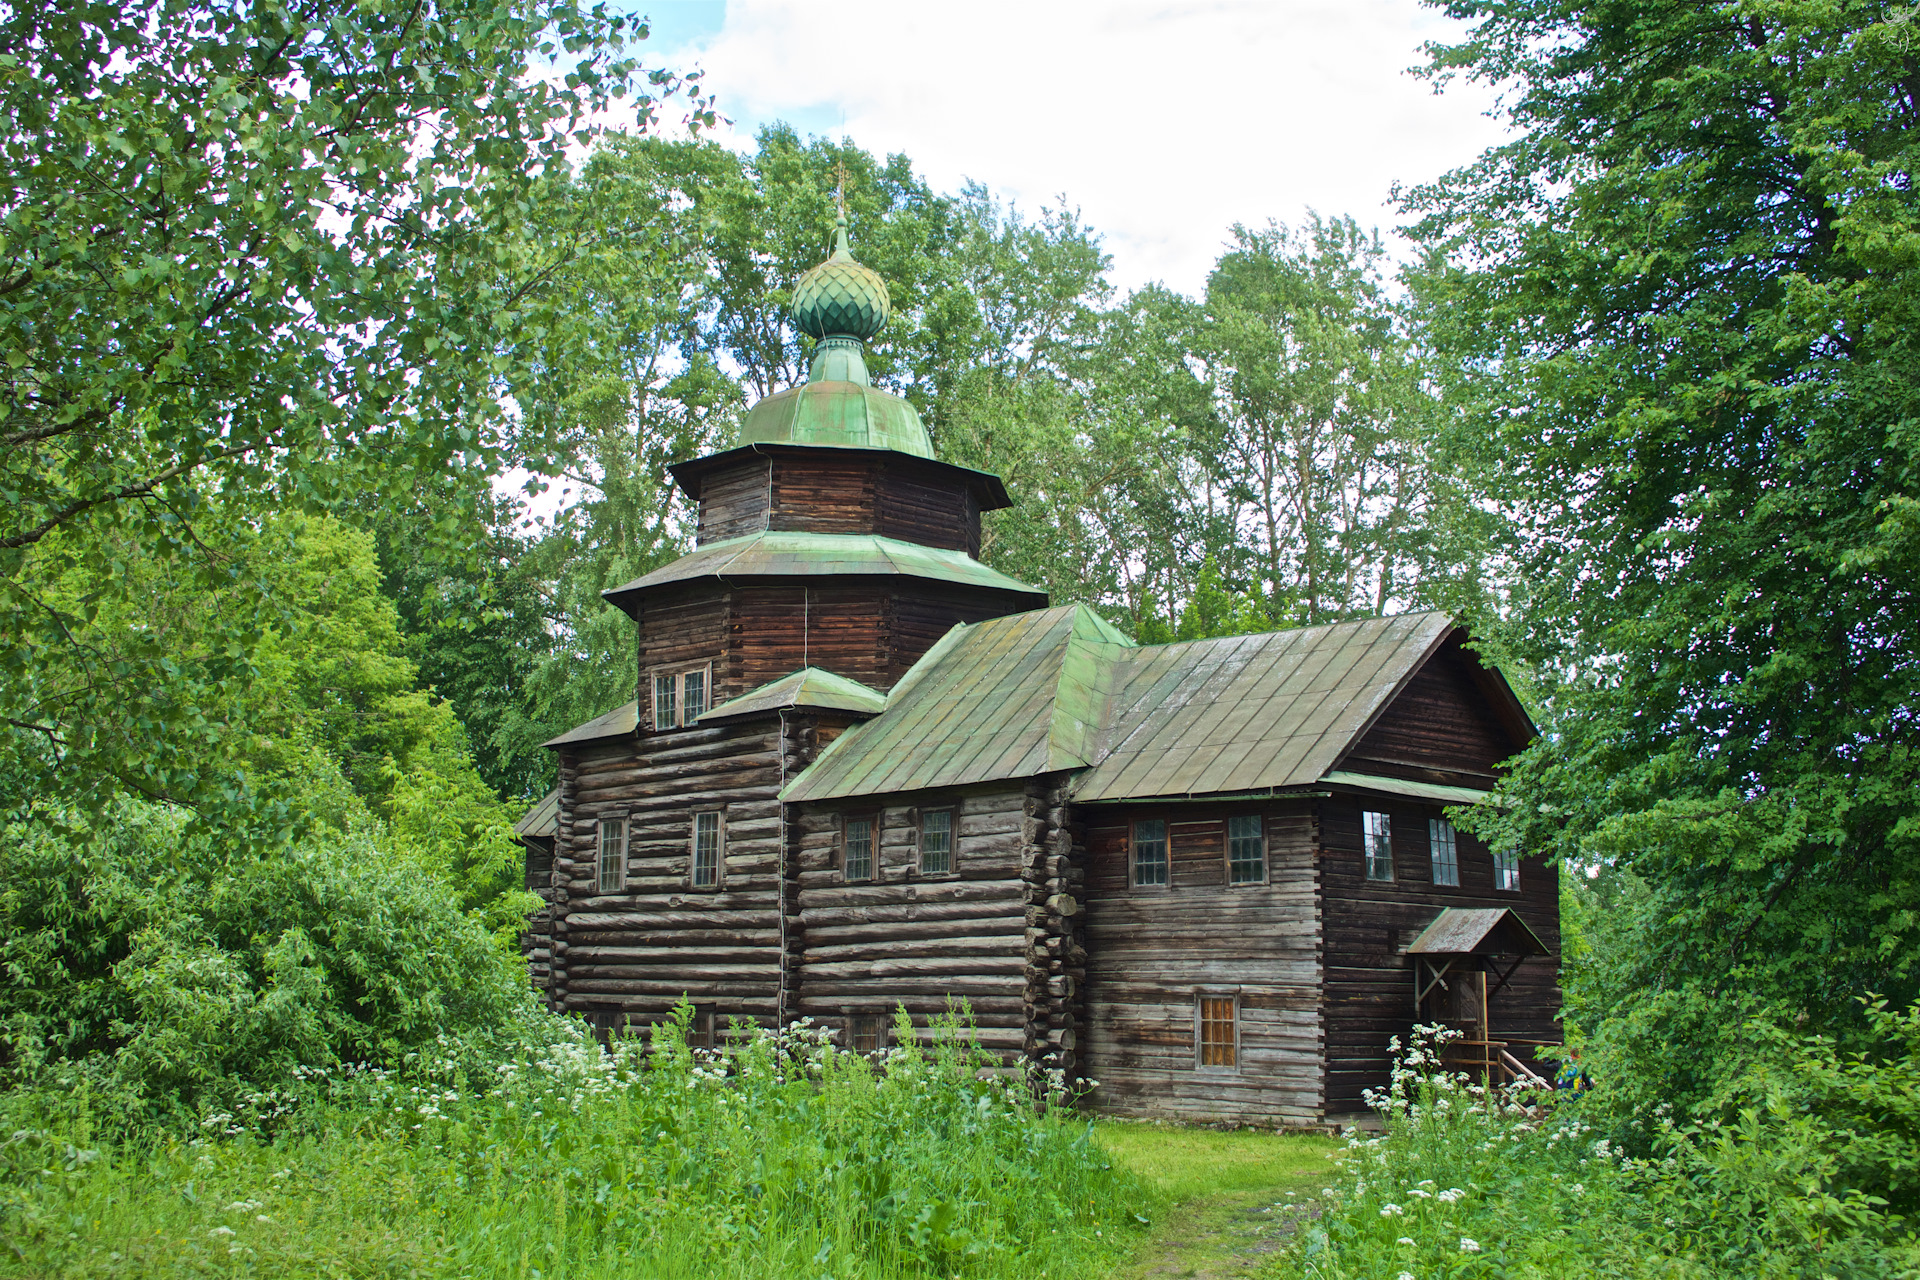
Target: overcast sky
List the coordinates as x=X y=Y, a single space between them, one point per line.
x=1164 y=122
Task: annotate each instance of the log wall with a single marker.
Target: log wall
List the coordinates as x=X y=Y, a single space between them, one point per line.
x=1438 y=729
x=628 y=956
x=1366 y=926
x=991 y=932
x=1152 y=951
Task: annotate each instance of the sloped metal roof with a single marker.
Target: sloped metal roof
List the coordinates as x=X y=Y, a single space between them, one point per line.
x=1477 y=931
x=807 y=687
x=620 y=720
x=1405 y=787
x=775 y=553
x=1008 y=698
x=1246 y=713
x=543 y=820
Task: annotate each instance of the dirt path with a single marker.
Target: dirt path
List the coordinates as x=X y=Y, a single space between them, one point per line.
x=1221 y=1237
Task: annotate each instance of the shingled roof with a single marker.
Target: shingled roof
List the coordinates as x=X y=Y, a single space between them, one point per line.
x=1061 y=689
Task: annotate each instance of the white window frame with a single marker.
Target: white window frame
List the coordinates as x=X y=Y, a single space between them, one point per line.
x=953 y=841
x=1443 y=845
x=846 y=847
x=1506 y=871
x=1133 y=855
x=1377 y=841
x=1259 y=838
x=610 y=856
x=673 y=681
x=1200 y=998
x=719 y=850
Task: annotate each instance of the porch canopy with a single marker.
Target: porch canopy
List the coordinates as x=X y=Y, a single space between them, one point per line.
x=1473 y=940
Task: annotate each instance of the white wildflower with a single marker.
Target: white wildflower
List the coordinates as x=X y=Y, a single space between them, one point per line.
x=221 y=1231
x=1469 y=1246
x=1391 y=1211
x=1452 y=1194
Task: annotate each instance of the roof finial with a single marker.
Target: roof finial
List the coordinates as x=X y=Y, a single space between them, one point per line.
x=840 y=245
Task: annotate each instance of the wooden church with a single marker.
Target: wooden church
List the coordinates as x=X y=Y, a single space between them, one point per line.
x=866 y=771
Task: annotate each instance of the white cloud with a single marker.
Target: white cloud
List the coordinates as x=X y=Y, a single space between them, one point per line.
x=1165 y=122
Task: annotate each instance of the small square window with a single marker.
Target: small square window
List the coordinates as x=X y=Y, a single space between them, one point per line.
x=1246 y=849
x=857 y=855
x=1506 y=870
x=1219 y=1040
x=1150 y=852
x=666 y=713
x=1446 y=852
x=706 y=850
x=613 y=855
x=1379 y=832
x=936 y=842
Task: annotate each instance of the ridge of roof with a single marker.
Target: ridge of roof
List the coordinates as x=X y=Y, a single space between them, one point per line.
x=807 y=687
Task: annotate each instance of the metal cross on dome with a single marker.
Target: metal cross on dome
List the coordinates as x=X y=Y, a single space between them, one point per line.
x=840 y=187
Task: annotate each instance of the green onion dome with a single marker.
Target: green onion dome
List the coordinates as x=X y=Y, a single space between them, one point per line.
x=840 y=296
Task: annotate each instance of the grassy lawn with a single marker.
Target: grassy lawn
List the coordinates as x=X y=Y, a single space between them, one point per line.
x=1233 y=1196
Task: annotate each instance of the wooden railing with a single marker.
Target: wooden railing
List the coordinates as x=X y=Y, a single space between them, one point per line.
x=1493 y=1061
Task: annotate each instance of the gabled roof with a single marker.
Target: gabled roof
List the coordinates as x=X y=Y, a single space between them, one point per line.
x=620 y=720
x=1061 y=689
x=1477 y=931
x=807 y=687
x=1251 y=713
x=1007 y=698
x=543 y=820
x=780 y=554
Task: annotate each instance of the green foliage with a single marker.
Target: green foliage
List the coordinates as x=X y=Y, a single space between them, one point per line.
x=1809 y=1171
x=779 y=1158
x=248 y=265
x=1683 y=313
x=152 y=974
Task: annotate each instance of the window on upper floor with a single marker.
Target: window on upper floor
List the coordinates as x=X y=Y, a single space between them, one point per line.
x=1246 y=849
x=709 y=851
x=1217 y=1031
x=681 y=697
x=613 y=855
x=1378 y=828
x=1506 y=870
x=936 y=842
x=1446 y=851
x=856 y=849
x=1149 y=860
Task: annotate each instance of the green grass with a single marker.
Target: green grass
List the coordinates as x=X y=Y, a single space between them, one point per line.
x=1228 y=1200
x=803 y=1166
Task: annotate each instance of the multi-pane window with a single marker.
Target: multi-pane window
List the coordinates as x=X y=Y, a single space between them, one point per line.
x=1246 y=850
x=858 y=863
x=1379 y=834
x=1150 y=851
x=613 y=855
x=706 y=850
x=1219 y=1044
x=936 y=842
x=679 y=697
x=1506 y=870
x=1446 y=851
x=866 y=1033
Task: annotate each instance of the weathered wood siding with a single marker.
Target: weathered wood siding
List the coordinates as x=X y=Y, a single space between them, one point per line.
x=1152 y=951
x=1367 y=924
x=1438 y=728
x=836 y=491
x=631 y=954
x=921 y=941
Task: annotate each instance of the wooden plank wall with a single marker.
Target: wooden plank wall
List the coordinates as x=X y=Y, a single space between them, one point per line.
x=1366 y=926
x=1152 y=950
x=1438 y=729
x=840 y=492
x=629 y=956
x=917 y=941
